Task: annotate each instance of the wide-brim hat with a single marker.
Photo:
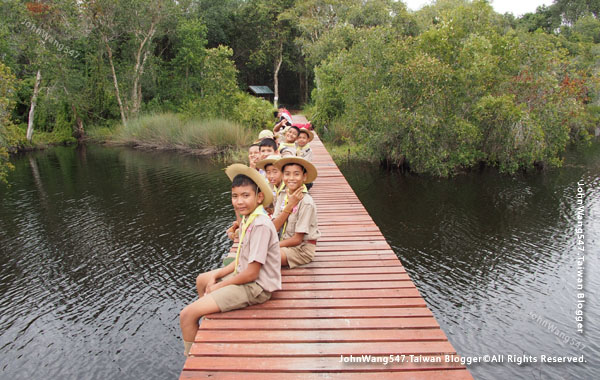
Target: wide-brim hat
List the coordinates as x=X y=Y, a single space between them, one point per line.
x=311 y=170
x=265 y=133
x=254 y=175
x=267 y=161
x=311 y=134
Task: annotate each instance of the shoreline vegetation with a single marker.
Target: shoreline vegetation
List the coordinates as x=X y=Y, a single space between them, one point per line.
x=169 y=131
x=438 y=91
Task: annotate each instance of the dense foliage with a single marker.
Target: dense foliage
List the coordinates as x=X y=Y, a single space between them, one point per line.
x=470 y=87
x=442 y=89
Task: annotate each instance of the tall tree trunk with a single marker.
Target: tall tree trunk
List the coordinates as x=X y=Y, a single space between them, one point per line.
x=36 y=91
x=136 y=89
x=78 y=131
x=116 y=83
x=276 y=74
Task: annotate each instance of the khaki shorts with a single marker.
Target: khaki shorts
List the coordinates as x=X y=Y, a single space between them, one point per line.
x=232 y=297
x=300 y=254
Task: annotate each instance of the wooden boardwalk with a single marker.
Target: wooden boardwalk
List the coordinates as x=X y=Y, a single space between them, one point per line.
x=355 y=298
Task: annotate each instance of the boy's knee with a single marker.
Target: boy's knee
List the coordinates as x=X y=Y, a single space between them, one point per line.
x=187 y=315
x=202 y=279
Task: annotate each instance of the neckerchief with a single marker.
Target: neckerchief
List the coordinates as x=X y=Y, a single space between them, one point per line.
x=277 y=191
x=299 y=149
x=286 y=145
x=285 y=202
x=260 y=210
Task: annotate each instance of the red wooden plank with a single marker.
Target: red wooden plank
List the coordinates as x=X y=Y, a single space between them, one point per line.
x=235 y=349
x=308 y=364
x=340 y=303
x=364 y=293
x=331 y=324
x=320 y=336
x=353 y=264
x=345 y=278
x=349 y=285
x=332 y=258
x=342 y=312
x=458 y=374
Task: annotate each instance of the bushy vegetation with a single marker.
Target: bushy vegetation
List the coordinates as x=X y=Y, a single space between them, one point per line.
x=171 y=131
x=469 y=88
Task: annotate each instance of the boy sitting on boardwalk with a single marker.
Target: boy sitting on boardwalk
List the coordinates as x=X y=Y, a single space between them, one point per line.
x=298 y=224
x=303 y=149
x=256 y=271
x=288 y=146
x=273 y=174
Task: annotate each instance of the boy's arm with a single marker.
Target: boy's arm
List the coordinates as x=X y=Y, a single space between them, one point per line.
x=279 y=125
x=293 y=241
x=293 y=200
x=219 y=273
x=247 y=275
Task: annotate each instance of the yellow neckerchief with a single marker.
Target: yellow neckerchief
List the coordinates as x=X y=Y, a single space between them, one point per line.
x=285 y=202
x=277 y=191
x=302 y=148
x=286 y=145
x=260 y=210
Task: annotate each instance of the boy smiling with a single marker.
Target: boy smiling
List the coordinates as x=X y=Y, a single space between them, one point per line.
x=298 y=223
x=288 y=147
x=256 y=271
x=303 y=149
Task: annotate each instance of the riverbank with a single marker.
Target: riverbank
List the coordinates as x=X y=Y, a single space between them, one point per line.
x=220 y=138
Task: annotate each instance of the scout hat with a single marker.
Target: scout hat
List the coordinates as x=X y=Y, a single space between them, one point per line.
x=311 y=171
x=254 y=175
x=267 y=161
x=311 y=134
x=265 y=133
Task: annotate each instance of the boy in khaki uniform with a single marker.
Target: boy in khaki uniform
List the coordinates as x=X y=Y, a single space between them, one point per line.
x=302 y=148
x=256 y=271
x=298 y=224
x=288 y=146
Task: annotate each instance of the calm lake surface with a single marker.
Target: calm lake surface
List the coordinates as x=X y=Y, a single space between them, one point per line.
x=100 y=246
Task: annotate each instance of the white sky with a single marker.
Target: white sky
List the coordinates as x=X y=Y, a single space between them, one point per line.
x=516 y=7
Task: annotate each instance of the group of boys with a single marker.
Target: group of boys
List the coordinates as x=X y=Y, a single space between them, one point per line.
x=276 y=225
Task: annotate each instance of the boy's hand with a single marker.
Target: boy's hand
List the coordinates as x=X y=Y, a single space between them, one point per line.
x=211 y=288
x=231 y=231
x=210 y=284
x=295 y=197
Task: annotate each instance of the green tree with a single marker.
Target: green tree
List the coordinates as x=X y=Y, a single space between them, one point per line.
x=7 y=89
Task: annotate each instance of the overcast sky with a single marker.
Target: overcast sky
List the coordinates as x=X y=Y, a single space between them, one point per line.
x=516 y=7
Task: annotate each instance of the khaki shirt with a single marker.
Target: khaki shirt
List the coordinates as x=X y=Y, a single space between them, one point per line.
x=303 y=218
x=287 y=151
x=262 y=245
x=305 y=153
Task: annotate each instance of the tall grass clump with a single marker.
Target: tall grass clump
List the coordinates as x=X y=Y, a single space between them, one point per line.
x=170 y=131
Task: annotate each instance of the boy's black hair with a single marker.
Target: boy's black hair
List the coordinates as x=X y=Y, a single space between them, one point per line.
x=280 y=106
x=268 y=142
x=296 y=128
x=293 y=163
x=254 y=144
x=303 y=130
x=243 y=180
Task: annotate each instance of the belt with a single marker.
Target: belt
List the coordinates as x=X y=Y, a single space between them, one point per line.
x=313 y=242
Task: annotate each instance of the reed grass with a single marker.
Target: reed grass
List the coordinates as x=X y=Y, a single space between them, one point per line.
x=170 y=131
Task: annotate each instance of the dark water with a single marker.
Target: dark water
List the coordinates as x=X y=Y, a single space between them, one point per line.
x=495 y=257
x=99 y=249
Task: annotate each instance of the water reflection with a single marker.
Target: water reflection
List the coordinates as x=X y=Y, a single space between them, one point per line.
x=99 y=249
x=491 y=253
